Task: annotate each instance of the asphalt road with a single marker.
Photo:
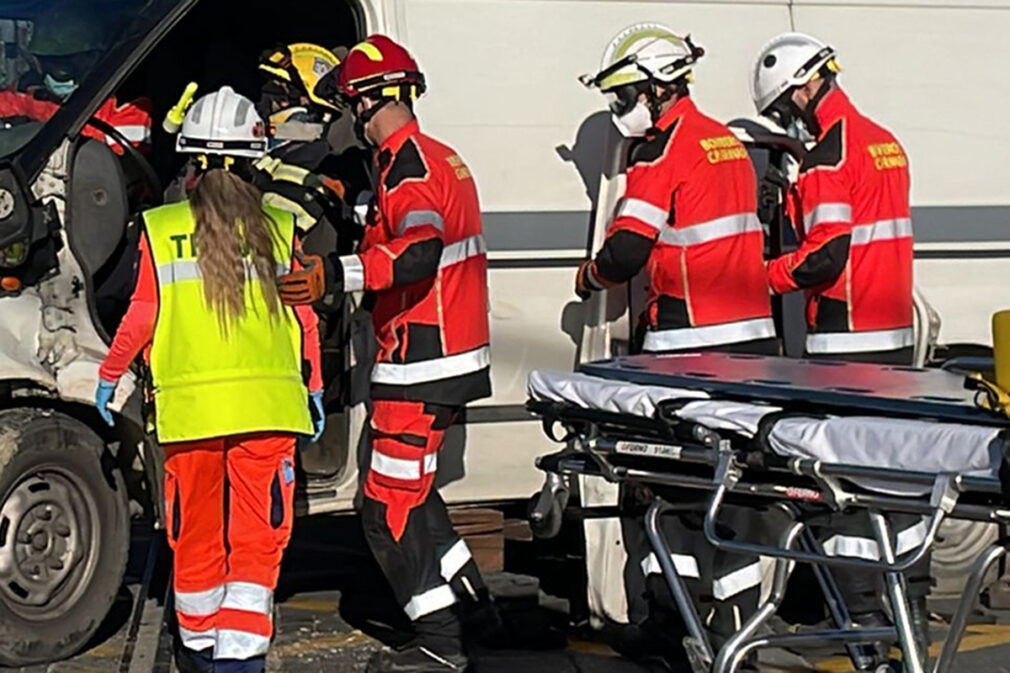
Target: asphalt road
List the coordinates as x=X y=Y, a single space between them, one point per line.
x=329 y=584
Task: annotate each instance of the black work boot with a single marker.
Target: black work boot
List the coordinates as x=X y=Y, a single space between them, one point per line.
x=416 y=659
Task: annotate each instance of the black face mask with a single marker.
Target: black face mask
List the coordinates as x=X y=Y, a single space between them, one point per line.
x=361 y=120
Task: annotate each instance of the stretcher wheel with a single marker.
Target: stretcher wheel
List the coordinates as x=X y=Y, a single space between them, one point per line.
x=64 y=535
x=546 y=516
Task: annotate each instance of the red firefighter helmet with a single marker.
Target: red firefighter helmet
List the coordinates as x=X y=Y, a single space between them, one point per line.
x=378 y=68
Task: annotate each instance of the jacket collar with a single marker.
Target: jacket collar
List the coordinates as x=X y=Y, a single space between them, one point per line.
x=833 y=106
x=681 y=108
x=395 y=141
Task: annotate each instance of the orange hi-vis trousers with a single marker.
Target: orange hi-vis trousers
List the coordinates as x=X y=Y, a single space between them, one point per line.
x=229 y=511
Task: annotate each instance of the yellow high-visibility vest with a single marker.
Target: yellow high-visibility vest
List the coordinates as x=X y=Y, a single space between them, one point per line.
x=208 y=383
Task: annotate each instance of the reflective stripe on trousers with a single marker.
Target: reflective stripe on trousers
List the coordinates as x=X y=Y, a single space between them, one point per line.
x=403 y=468
x=710 y=335
x=454 y=559
x=226 y=643
x=866 y=548
x=686 y=565
x=430 y=601
x=860 y=342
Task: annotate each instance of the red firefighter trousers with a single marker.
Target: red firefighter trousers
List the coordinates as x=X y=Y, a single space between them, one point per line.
x=229 y=512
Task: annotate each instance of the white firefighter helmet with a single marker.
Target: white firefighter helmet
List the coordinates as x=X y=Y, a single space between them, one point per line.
x=224 y=123
x=789 y=60
x=643 y=52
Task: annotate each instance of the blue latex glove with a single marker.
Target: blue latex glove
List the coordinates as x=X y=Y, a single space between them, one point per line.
x=103 y=395
x=318 y=414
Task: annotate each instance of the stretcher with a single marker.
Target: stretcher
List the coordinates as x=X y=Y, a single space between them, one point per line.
x=800 y=435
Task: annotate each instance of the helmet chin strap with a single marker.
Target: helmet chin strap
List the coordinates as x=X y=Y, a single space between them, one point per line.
x=361 y=120
x=809 y=114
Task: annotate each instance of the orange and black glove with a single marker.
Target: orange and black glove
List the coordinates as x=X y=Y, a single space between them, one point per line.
x=586 y=281
x=306 y=285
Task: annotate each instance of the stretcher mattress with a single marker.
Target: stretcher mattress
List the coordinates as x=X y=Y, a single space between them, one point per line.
x=860 y=440
x=816 y=384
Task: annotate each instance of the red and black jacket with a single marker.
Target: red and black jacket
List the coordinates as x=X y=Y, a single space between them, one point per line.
x=425 y=258
x=688 y=216
x=855 y=258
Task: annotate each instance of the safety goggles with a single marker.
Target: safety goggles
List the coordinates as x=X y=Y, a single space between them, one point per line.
x=623 y=99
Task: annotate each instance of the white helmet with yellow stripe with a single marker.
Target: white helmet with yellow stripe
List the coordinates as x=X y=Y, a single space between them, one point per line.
x=643 y=52
x=637 y=60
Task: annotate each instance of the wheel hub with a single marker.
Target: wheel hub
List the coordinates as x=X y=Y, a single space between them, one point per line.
x=40 y=539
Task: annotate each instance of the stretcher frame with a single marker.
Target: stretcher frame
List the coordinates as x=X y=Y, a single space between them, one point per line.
x=592 y=450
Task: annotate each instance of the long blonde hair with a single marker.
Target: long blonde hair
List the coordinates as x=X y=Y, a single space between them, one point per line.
x=231 y=227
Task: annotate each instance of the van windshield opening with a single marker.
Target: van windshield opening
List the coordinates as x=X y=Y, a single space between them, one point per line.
x=49 y=47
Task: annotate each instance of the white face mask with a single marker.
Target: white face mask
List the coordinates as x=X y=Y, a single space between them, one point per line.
x=635 y=123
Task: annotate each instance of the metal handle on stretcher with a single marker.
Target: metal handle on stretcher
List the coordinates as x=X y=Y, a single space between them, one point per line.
x=726 y=476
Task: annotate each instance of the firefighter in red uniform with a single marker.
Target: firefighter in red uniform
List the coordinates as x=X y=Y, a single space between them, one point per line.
x=688 y=212
x=423 y=260
x=688 y=216
x=851 y=211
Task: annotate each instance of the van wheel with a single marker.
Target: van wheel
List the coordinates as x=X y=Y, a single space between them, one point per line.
x=957 y=546
x=64 y=534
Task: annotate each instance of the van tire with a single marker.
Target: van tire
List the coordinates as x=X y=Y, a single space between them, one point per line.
x=959 y=543
x=64 y=535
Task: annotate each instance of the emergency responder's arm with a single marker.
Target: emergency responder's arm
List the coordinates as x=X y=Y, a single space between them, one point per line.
x=825 y=196
x=137 y=328
x=411 y=255
x=640 y=216
x=311 y=349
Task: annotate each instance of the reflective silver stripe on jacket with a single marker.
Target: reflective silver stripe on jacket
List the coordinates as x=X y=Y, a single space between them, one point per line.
x=860 y=342
x=188 y=269
x=420 y=218
x=354 y=273
x=432 y=370
x=710 y=335
x=644 y=212
x=827 y=212
x=713 y=230
x=454 y=253
x=882 y=230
